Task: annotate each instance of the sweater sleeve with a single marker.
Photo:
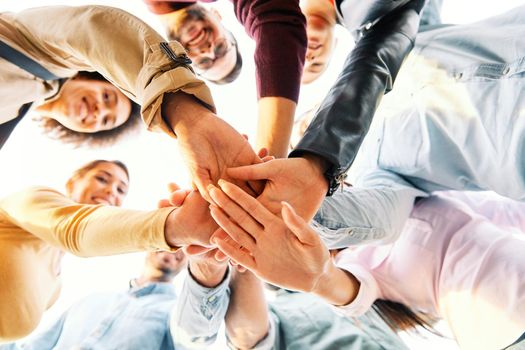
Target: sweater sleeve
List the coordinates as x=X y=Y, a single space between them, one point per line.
x=279 y=30
x=124 y=49
x=82 y=229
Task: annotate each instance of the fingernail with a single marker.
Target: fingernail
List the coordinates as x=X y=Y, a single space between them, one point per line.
x=221 y=182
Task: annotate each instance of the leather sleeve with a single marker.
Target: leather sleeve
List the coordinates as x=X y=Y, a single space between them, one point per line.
x=345 y=115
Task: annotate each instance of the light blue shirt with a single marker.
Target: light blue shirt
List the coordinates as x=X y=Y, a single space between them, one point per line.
x=456 y=121
x=297 y=321
x=137 y=319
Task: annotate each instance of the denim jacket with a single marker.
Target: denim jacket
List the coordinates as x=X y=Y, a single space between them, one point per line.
x=136 y=320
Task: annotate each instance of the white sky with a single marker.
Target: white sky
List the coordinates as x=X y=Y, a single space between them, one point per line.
x=153 y=159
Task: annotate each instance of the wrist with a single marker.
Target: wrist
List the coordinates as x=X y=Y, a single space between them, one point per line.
x=336 y=286
x=208 y=275
x=319 y=167
x=182 y=111
x=173 y=237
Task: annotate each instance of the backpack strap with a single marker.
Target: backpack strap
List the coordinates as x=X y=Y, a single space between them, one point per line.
x=29 y=65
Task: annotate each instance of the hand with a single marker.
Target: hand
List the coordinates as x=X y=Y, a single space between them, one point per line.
x=208 y=144
x=190 y=224
x=298 y=181
x=285 y=252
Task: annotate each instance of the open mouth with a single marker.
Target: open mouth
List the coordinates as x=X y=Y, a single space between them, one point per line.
x=198 y=37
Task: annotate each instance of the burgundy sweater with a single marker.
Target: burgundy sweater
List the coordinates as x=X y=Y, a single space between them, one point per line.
x=279 y=30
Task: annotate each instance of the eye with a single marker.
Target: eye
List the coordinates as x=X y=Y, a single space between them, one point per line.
x=105 y=121
x=105 y=97
x=205 y=63
x=121 y=191
x=101 y=179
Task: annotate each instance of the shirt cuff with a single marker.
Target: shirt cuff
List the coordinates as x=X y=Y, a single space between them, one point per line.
x=366 y=295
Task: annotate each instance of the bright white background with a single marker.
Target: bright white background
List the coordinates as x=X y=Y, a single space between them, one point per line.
x=153 y=159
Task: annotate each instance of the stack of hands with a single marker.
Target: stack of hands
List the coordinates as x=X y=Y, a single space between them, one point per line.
x=255 y=217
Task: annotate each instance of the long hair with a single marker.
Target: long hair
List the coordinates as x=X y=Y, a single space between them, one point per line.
x=80 y=172
x=400 y=317
x=57 y=131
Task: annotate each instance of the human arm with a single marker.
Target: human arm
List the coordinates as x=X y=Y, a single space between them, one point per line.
x=375 y=210
x=279 y=31
x=96 y=230
x=202 y=304
x=247 y=319
x=344 y=116
x=84 y=38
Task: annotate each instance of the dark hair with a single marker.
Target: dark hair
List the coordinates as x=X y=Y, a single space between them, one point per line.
x=57 y=131
x=87 y=167
x=236 y=70
x=400 y=317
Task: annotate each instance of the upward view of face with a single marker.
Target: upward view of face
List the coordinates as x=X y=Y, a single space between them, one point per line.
x=166 y=262
x=106 y=183
x=209 y=45
x=321 y=43
x=89 y=106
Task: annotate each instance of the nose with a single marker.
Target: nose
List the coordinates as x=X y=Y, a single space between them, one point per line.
x=111 y=191
x=310 y=54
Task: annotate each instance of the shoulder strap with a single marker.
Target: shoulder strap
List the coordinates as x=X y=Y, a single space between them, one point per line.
x=26 y=63
x=29 y=65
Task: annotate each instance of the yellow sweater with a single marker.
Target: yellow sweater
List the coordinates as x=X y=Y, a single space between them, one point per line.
x=37 y=225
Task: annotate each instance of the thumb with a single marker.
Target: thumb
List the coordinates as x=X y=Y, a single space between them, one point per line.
x=262 y=171
x=172 y=187
x=177 y=198
x=297 y=225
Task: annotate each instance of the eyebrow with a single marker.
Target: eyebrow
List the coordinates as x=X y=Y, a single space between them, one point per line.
x=111 y=176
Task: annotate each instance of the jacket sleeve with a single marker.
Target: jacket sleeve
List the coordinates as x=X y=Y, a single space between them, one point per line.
x=124 y=49
x=279 y=30
x=373 y=211
x=82 y=229
x=196 y=320
x=345 y=115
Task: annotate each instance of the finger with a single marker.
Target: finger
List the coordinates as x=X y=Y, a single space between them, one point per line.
x=263 y=152
x=202 y=187
x=172 y=187
x=233 y=230
x=246 y=203
x=195 y=249
x=245 y=136
x=262 y=171
x=267 y=158
x=297 y=225
x=177 y=197
x=238 y=214
x=163 y=203
x=235 y=252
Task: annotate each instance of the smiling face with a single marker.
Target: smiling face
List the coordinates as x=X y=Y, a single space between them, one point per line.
x=208 y=43
x=105 y=183
x=320 y=25
x=88 y=106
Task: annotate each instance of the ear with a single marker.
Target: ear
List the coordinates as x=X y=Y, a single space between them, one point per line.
x=216 y=13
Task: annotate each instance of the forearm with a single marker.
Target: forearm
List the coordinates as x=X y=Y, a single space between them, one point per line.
x=199 y=313
x=345 y=115
x=247 y=319
x=279 y=31
x=276 y=116
x=82 y=229
x=336 y=286
x=372 y=212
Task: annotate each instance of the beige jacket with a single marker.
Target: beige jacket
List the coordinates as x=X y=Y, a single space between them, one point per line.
x=118 y=45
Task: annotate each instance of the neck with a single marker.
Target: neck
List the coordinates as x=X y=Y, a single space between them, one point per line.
x=152 y=275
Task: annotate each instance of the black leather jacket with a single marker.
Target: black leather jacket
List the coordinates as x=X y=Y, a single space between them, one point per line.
x=387 y=34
